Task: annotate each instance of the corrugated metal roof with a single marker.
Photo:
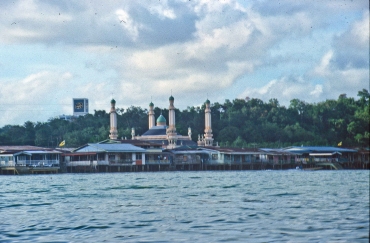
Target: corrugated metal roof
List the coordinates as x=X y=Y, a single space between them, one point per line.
x=21 y=148
x=189 y=152
x=313 y=149
x=232 y=150
x=113 y=147
x=38 y=152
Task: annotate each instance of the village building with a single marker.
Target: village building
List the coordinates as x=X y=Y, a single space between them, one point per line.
x=28 y=159
x=161 y=148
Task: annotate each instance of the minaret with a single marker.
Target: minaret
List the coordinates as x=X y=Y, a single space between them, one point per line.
x=133 y=133
x=151 y=115
x=208 y=140
x=189 y=132
x=113 y=121
x=171 y=130
x=171 y=114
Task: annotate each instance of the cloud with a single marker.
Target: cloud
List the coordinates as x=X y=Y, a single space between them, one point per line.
x=345 y=68
x=47 y=94
x=285 y=89
x=128 y=23
x=350 y=46
x=33 y=98
x=198 y=49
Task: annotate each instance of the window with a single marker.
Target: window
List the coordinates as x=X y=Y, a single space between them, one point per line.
x=111 y=157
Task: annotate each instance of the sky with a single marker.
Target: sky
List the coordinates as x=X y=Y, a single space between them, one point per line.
x=138 y=52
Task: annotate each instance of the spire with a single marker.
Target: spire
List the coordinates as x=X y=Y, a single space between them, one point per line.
x=151 y=115
x=113 y=120
x=171 y=130
x=208 y=140
x=133 y=133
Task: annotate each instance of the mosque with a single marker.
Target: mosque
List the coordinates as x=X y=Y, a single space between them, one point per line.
x=161 y=133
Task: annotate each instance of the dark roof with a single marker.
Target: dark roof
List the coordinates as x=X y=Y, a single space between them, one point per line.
x=21 y=148
x=165 y=142
x=156 y=130
x=80 y=154
x=140 y=143
x=231 y=150
x=186 y=147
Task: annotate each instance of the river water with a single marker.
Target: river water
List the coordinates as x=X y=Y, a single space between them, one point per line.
x=227 y=206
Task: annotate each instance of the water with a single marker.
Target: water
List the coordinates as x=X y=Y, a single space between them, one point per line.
x=231 y=206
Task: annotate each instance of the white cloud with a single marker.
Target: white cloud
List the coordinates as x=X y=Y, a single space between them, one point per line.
x=162 y=10
x=128 y=23
x=139 y=49
x=317 y=91
x=323 y=68
x=33 y=98
x=345 y=69
x=285 y=89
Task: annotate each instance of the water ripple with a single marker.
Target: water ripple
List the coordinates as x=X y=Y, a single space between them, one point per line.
x=263 y=206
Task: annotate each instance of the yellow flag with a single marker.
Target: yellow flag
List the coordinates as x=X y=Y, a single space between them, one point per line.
x=340 y=144
x=62 y=143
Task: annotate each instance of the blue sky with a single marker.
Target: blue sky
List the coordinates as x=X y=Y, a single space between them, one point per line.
x=138 y=51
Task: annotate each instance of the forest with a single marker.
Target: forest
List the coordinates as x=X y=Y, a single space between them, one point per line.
x=247 y=123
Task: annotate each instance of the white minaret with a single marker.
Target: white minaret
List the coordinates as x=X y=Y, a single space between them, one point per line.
x=133 y=133
x=171 y=114
x=113 y=121
x=171 y=130
x=151 y=115
x=208 y=140
x=189 y=132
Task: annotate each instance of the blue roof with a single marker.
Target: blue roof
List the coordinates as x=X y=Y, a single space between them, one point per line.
x=313 y=149
x=110 y=147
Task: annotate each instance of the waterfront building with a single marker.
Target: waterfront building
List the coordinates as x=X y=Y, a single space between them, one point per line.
x=28 y=159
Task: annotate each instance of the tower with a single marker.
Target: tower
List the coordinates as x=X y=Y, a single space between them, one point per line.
x=207 y=140
x=171 y=130
x=113 y=121
x=151 y=115
x=133 y=133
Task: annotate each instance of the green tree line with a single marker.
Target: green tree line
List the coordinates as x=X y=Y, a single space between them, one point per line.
x=238 y=123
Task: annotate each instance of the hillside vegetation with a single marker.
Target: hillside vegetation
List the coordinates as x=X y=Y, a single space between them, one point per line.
x=237 y=123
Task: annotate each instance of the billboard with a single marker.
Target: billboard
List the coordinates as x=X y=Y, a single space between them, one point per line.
x=80 y=106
